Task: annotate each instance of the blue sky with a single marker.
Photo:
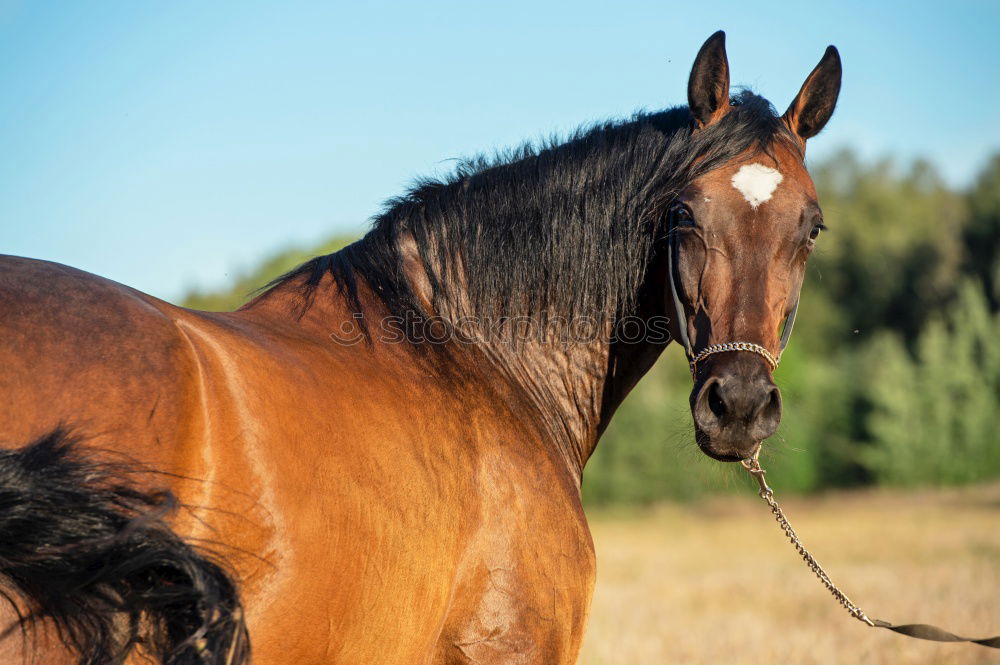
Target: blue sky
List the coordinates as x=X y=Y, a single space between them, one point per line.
x=169 y=144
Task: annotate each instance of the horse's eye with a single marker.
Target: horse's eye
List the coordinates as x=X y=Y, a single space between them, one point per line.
x=815 y=232
x=681 y=215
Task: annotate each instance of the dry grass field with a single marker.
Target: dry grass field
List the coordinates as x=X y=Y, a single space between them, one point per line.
x=718 y=583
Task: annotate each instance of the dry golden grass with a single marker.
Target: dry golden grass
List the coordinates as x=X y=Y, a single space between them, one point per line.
x=718 y=582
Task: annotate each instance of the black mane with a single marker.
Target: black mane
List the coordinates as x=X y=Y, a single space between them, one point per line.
x=562 y=229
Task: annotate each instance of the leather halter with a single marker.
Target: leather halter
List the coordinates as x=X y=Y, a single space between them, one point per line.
x=673 y=255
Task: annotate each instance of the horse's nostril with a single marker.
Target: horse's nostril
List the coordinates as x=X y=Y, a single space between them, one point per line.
x=774 y=403
x=715 y=401
x=773 y=407
x=769 y=415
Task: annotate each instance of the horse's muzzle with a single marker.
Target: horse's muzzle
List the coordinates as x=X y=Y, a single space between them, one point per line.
x=735 y=408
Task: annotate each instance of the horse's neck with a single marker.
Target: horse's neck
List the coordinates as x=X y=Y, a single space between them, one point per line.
x=629 y=361
x=575 y=388
x=564 y=384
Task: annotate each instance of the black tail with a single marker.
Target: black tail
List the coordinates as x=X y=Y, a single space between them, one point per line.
x=81 y=546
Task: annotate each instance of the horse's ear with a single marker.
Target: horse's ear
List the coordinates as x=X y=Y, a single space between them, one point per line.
x=708 y=87
x=814 y=104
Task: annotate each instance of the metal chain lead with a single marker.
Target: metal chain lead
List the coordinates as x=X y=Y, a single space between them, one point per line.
x=766 y=493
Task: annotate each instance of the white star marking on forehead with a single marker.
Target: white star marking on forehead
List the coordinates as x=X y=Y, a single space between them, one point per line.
x=756 y=183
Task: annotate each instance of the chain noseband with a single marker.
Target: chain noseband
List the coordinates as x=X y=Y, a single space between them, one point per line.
x=735 y=346
x=673 y=253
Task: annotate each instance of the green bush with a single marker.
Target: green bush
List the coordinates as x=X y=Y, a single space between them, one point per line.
x=934 y=413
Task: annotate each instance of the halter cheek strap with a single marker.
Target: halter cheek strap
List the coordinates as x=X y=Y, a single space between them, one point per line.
x=673 y=255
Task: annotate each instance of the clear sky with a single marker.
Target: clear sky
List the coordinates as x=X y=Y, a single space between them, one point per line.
x=168 y=144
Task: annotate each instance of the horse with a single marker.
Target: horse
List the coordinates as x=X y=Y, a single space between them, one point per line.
x=379 y=458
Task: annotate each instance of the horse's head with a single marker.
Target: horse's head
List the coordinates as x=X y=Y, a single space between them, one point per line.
x=740 y=236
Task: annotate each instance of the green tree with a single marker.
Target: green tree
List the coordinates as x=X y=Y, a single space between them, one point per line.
x=982 y=232
x=895 y=247
x=934 y=413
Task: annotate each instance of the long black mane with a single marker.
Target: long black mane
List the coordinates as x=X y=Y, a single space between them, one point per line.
x=564 y=228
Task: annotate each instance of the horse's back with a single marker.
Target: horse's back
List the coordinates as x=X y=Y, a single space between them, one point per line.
x=86 y=352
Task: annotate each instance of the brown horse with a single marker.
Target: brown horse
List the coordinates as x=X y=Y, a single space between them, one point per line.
x=383 y=453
